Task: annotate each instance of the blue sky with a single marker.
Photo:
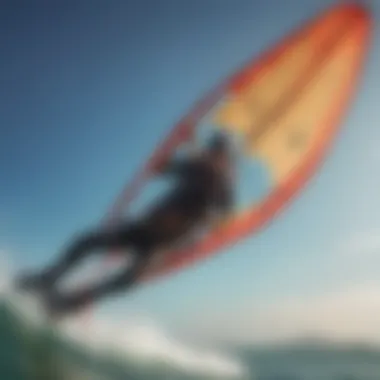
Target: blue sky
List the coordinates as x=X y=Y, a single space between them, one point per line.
x=90 y=87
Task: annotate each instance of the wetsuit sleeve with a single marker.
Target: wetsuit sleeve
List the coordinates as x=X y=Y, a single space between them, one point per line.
x=177 y=167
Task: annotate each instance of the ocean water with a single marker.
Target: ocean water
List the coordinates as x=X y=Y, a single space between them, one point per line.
x=28 y=352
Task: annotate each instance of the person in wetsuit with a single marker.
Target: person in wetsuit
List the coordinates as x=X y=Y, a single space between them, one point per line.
x=202 y=195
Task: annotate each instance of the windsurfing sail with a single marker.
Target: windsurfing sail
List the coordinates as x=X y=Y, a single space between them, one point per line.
x=286 y=107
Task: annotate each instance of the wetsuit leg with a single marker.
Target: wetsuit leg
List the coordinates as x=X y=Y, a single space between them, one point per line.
x=83 y=247
x=78 y=250
x=66 y=303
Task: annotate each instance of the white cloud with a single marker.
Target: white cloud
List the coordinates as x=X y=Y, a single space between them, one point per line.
x=361 y=245
x=347 y=308
x=345 y=315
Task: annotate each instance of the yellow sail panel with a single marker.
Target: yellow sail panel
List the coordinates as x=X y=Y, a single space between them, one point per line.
x=243 y=111
x=285 y=143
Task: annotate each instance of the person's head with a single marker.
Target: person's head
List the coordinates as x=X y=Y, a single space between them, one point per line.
x=219 y=149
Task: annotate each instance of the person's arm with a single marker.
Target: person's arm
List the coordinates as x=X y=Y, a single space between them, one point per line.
x=175 y=166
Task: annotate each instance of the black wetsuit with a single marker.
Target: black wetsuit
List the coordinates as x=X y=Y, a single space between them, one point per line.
x=199 y=189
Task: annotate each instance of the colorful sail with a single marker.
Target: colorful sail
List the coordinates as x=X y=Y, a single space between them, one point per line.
x=285 y=108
